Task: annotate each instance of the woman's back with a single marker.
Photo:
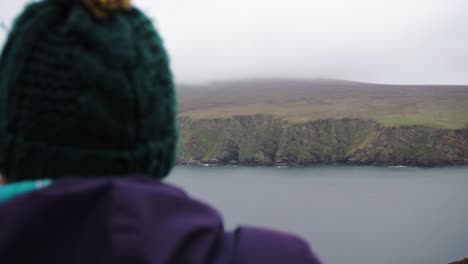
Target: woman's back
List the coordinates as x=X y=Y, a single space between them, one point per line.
x=131 y=220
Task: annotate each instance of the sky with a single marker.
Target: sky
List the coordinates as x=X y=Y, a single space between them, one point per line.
x=381 y=41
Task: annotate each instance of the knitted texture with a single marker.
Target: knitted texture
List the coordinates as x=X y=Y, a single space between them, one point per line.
x=85 y=97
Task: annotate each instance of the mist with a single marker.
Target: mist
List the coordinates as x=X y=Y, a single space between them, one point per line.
x=381 y=41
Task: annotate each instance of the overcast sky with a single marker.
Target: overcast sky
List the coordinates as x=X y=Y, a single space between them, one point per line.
x=384 y=41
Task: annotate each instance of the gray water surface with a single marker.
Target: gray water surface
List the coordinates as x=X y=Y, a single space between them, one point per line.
x=350 y=215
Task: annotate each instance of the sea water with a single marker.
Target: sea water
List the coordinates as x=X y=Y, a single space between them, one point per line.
x=348 y=214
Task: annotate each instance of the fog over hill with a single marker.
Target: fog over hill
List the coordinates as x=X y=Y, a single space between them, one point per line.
x=379 y=41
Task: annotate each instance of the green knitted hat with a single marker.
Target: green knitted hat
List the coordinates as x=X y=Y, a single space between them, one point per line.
x=85 y=92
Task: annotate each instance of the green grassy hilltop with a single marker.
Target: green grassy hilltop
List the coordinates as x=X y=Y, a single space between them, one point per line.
x=301 y=101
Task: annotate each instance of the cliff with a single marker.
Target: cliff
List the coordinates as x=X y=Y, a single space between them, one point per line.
x=280 y=121
x=270 y=140
x=464 y=261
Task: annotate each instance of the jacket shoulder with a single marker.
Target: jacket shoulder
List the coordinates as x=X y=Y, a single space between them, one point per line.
x=257 y=245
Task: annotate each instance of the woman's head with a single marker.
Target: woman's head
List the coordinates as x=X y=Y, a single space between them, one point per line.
x=86 y=90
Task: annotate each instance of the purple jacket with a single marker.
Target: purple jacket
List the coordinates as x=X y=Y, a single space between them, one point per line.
x=131 y=221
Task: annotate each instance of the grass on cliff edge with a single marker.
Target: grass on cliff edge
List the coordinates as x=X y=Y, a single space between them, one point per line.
x=437 y=116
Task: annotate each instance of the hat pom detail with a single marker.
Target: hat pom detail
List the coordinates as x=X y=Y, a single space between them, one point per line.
x=102 y=9
x=105 y=8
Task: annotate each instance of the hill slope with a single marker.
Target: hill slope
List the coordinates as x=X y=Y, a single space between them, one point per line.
x=301 y=100
x=266 y=122
x=464 y=261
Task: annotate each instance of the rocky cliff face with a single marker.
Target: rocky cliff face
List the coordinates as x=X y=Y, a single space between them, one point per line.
x=464 y=261
x=269 y=140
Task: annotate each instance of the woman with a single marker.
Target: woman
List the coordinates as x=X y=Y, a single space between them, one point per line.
x=88 y=131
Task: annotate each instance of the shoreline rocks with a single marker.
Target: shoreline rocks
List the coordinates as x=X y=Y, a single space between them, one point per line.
x=237 y=163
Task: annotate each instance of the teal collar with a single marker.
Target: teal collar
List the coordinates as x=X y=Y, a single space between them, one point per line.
x=12 y=190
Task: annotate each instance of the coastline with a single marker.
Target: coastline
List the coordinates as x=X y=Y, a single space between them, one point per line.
x=417 y=164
